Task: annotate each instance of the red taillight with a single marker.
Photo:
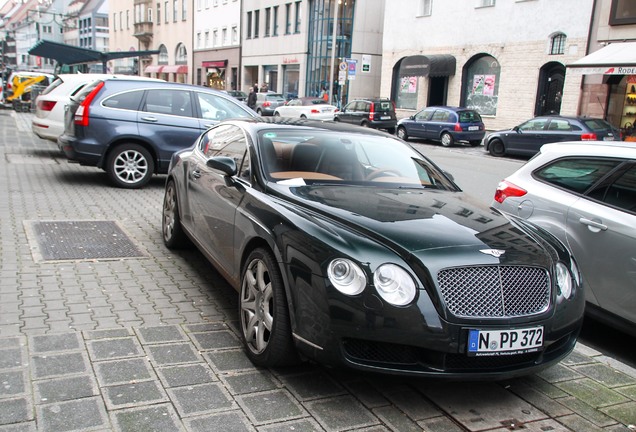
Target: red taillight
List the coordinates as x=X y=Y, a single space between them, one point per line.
x=506 y=189
x=588 y=137
x=372 y=111
x=81 y=115
x=266 y=103
x=458 y=127
x=45 y=105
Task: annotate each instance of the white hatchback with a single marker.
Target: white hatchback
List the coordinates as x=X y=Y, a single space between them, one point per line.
x=50 y=105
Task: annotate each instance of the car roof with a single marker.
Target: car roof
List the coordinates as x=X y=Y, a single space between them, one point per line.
x=89 y=77
x=450 y=108
x=590 y=148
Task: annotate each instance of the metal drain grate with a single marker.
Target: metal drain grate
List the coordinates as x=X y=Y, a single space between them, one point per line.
x=80 y=240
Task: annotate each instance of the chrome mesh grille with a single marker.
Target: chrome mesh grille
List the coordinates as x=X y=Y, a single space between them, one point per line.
x=495 y=291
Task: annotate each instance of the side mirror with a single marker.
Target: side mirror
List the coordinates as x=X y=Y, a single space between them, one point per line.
x=224 y=164
x=412 y=117
x=449 y=175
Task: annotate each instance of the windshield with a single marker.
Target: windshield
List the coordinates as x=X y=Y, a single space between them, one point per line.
x=303 y=156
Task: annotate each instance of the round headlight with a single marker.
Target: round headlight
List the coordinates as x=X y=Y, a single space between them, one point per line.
x=564 y=280
x=346 y=276
x=394 y=284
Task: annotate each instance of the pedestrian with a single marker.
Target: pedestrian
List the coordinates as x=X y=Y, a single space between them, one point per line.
x=324 y=94
x=264 y=87
x=251 y=98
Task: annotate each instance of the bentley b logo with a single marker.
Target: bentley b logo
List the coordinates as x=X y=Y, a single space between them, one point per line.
x=494 y=252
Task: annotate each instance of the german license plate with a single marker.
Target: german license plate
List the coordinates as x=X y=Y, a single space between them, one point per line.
x=385 y=118
x=472 y=128
x=608 y=138
x=504 y=342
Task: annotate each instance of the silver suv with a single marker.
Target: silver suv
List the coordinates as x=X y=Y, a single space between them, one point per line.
x=266 y=103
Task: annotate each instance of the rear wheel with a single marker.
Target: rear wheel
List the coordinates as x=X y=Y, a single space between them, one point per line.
x=130 y=166
x=391 y=130
x=402 y=134
x=364 y=124
x=276 y=114
x=263 y=313
x=497 y=148
x=173 y=235
x=303 y=116
x=447 y=139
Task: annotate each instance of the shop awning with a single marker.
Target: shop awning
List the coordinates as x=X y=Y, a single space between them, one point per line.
x=618 y=58
x=180 y=69
x=434 y=65
x=153 y=69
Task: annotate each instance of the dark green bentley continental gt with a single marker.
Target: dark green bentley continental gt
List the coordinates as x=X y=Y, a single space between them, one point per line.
x=349 y=247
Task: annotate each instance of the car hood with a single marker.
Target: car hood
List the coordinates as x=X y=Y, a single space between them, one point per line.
x=423 y=222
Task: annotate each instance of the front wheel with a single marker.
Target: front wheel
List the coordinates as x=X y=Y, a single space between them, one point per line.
x=447 y=139
x=130 y=166
x=497 y=148
x=263 y=313
x=402 y=134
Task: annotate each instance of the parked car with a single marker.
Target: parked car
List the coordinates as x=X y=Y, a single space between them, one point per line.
x=266 y=103
x=50 y=104
x=376 y=113
x=348 y=246
x=131 y=128
x=585 y=194
x=307 y=108
x=527 y=138
x=237 y=94
x=445 y=124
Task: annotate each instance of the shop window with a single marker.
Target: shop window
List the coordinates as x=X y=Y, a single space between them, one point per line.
x=480 y=86
x=557 y=44
x=623 y=12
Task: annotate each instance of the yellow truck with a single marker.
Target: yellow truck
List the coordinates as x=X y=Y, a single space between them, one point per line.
x=20 y=87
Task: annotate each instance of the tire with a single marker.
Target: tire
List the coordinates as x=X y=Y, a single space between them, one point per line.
x=475 y=143
x=130 y=166
x=336 y=119
x=447 y=139
x=276 y=114
x=391 y=130
x=173 y=235
x=364 y=124
x=497 y=148
x=259 y=112
x=402 y=134
x=303 y=116
x=263 y=312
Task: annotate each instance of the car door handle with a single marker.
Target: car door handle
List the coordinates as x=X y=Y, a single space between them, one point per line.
x=150 y=119
x=195 y=174
x=593 y=224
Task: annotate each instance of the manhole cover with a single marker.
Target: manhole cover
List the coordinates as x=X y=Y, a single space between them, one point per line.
x=79 y=240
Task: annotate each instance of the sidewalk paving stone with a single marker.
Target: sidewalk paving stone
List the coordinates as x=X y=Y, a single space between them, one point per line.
x=152 y=343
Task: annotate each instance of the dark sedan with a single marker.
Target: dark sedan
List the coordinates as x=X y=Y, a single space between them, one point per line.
x=445 y=124
x=349 y=247
x=527 y=138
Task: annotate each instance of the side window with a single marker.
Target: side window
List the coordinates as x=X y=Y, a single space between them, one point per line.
x=622 y=193
x=127 y=101
x=174 y=102
x=218 y=108
x=559 y=125
x=533 y=125
x=440 y=116
x=575 y=175
x=364 y=106
x=228 y=141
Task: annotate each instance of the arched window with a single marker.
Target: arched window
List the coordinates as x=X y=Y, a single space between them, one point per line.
x=181 y=54
x=481 y=84
x=557 y=44
x=163 y=55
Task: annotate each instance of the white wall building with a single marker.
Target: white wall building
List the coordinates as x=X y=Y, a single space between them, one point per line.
x=217 y=43
x=505 y=58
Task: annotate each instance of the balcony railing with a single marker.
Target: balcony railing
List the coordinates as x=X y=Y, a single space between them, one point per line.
x=143 y=31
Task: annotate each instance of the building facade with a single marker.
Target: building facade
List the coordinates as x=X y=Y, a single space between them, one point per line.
x=217 y=44
x=165 y=26
x=296 y=47
x=609 y=69
x=494 y=63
